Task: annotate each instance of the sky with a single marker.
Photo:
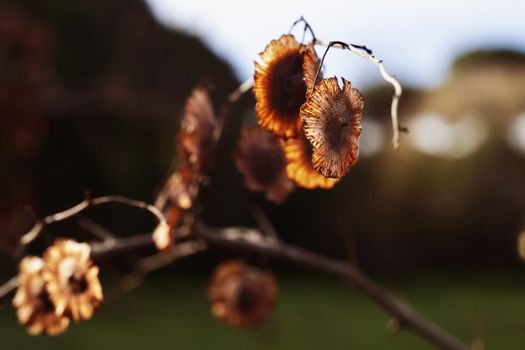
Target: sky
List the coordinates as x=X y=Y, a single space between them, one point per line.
x=417 y=39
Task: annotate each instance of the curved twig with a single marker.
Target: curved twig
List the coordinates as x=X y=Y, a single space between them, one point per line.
x=366 y=53
x=36 y=230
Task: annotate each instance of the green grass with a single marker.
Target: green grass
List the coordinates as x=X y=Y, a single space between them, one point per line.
x=313 y=313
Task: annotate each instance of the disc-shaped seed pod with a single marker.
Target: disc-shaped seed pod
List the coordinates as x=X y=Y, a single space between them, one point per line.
x=241 y=295
x=260 y=159
x=280 y=86
x=196 y=135
x=332 y=124
x=299 y=167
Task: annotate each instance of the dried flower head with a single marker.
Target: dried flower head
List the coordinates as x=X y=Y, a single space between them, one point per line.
x=33 y=306
x=279 y=84
x=241 y=295
x=299 y=165
x=72 y=279
x=260 y=159
x=196 y=135
x=332 y=124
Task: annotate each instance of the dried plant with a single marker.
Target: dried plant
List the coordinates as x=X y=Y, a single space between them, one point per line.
x=72 y=279
x=309 y=136
x=33 y=304
x=299 y=166
x=241 y=295
x=332 y=124
x=261 y=160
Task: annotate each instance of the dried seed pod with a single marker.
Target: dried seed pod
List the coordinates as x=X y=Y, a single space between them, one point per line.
x=34 y=307
x=175 y=199
x=241 y=295
x=332 y=124
x=310 y=67
x=72 y=279
x=177 y=192
x=279 y=84
x=260 y=159
x=163 y=236
x=299 y=167
x=196 y=135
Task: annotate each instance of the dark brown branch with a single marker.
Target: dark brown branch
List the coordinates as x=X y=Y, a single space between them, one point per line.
x=253 y=240
x=117 y=246
x=105 y=249
x=403 y=312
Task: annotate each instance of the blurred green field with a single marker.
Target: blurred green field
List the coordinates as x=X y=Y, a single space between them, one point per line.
x=313 y=313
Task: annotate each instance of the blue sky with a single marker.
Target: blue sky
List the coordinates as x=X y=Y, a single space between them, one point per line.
x=418 y=39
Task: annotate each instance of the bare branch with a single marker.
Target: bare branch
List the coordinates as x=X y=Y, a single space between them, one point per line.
x=403 y=312
x=113 y=247
x=70 y=212
x=264 y=223
x=8 y=287
x=158 y=261
x=366 y=53
x=95 y=229
x=252 y=240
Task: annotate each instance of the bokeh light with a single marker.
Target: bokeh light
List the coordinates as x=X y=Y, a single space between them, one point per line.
x=434 y=135
x=516 y=133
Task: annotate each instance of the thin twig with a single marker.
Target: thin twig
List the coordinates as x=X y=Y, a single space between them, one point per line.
x=95 y=229
x=160 y=260
x=263 y=222
x=36 y=230
x=228 y=104
x=8 y=287
x=366 y=53
x=118 y=246
x=307 y=27
x=402 y=311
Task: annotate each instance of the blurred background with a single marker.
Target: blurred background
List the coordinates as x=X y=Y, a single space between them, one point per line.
x=90 y=97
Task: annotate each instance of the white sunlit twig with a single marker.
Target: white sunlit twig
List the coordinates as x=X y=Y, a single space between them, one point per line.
x=364 y=52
